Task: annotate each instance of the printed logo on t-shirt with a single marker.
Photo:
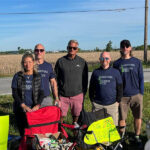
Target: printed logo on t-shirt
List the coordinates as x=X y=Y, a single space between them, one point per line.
x=28 y=85
x=127 y=67
x=103 y=80
x=43 y=72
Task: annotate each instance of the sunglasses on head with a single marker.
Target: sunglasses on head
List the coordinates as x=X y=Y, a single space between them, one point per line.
x=74 y=48
x=39 y=50
x=104 y=58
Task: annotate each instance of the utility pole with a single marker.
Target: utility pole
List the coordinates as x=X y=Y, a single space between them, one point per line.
x=145 y=31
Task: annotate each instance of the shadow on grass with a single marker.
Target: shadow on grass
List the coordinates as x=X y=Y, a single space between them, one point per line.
x=7 y=105
x=130 y=143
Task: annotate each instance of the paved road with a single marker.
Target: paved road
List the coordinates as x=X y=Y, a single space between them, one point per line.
x=5 y=83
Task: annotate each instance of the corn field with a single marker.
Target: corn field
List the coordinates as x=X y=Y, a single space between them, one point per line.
x=10 y=64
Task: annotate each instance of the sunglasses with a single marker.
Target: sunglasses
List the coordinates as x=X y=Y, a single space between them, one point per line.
x=104 y=58
x=123 y=46
x=74 y=48
x=39 y=50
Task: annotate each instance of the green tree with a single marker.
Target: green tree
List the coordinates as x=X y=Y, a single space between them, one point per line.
x=96 y=49
x=19 y=48
x=109 y=46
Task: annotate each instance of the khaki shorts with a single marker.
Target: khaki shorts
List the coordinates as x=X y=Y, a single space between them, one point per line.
x=136 y=105
x=111 y=109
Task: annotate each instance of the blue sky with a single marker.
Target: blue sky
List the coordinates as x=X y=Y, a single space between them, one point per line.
x=54 y=30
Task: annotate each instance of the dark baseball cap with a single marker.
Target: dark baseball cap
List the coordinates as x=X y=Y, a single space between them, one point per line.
x=125 y=43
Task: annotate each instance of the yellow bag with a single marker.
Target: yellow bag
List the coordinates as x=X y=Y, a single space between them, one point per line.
x=102 y=131
x=4 y=127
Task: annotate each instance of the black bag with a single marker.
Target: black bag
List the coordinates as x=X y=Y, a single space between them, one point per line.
x=89 y=117
x=86 y=118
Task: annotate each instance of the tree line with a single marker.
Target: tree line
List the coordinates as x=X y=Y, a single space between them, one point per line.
x=108 y=48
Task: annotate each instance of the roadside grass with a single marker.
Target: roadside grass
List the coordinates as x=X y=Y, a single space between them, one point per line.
x=7 y=101
x=146 y=65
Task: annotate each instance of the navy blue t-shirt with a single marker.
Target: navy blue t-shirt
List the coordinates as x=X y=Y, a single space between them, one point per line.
x=105 y=84
x=132 y=75
x=47 y=73
x=28 y=88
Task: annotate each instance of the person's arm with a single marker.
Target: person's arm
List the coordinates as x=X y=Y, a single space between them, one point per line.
x=141 y=79
x=15 y=92
x=119 y=92
x=54 y=89
x=92 y=88
x=119 y=87
x=85 y=79
x=16 y=96
x=57 y=74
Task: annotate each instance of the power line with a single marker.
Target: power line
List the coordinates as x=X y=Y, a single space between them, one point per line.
x=64 y=12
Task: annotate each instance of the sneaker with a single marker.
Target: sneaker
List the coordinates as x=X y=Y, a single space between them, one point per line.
x=138 y=141
x=76 y=125
x=76 y=129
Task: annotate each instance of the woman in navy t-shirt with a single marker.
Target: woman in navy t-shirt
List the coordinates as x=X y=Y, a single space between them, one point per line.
x=27 y=91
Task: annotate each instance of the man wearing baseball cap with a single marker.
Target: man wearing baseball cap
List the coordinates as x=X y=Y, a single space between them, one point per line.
x=133 y=86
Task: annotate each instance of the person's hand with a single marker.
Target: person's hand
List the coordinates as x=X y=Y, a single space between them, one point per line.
x=26 y=108
x=117 y=103
x=36 y=107
x=57 y=103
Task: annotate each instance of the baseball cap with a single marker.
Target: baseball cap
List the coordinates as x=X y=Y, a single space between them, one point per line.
x=125 y=43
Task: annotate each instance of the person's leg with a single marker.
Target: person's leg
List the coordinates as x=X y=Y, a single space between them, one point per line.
x=123 y=111
x=76 y=106
x=21 y=121
x=136 y=107
x=137 y=126
x=64 y=106
x=96 y=107
x=113 y=111
x=75 y=118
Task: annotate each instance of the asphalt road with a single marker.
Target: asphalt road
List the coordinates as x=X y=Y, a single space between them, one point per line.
x=5 y=83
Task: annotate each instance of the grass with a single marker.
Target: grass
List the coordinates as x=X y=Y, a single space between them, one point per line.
x=7 y=101
x=146 y=64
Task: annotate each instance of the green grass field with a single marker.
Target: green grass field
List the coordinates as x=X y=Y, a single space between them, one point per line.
x=7 y=101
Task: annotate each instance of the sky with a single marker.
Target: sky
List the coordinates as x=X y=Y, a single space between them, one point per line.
x=91 y=29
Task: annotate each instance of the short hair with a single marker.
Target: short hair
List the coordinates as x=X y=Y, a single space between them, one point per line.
x=38 y=45
x=73 y=41
x=103 y=53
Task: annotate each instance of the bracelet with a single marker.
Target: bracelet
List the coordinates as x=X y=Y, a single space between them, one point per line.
x=57 y=98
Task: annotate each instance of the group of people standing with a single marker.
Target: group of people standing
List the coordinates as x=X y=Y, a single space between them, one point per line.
x=119 y=86
x=115 y=88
